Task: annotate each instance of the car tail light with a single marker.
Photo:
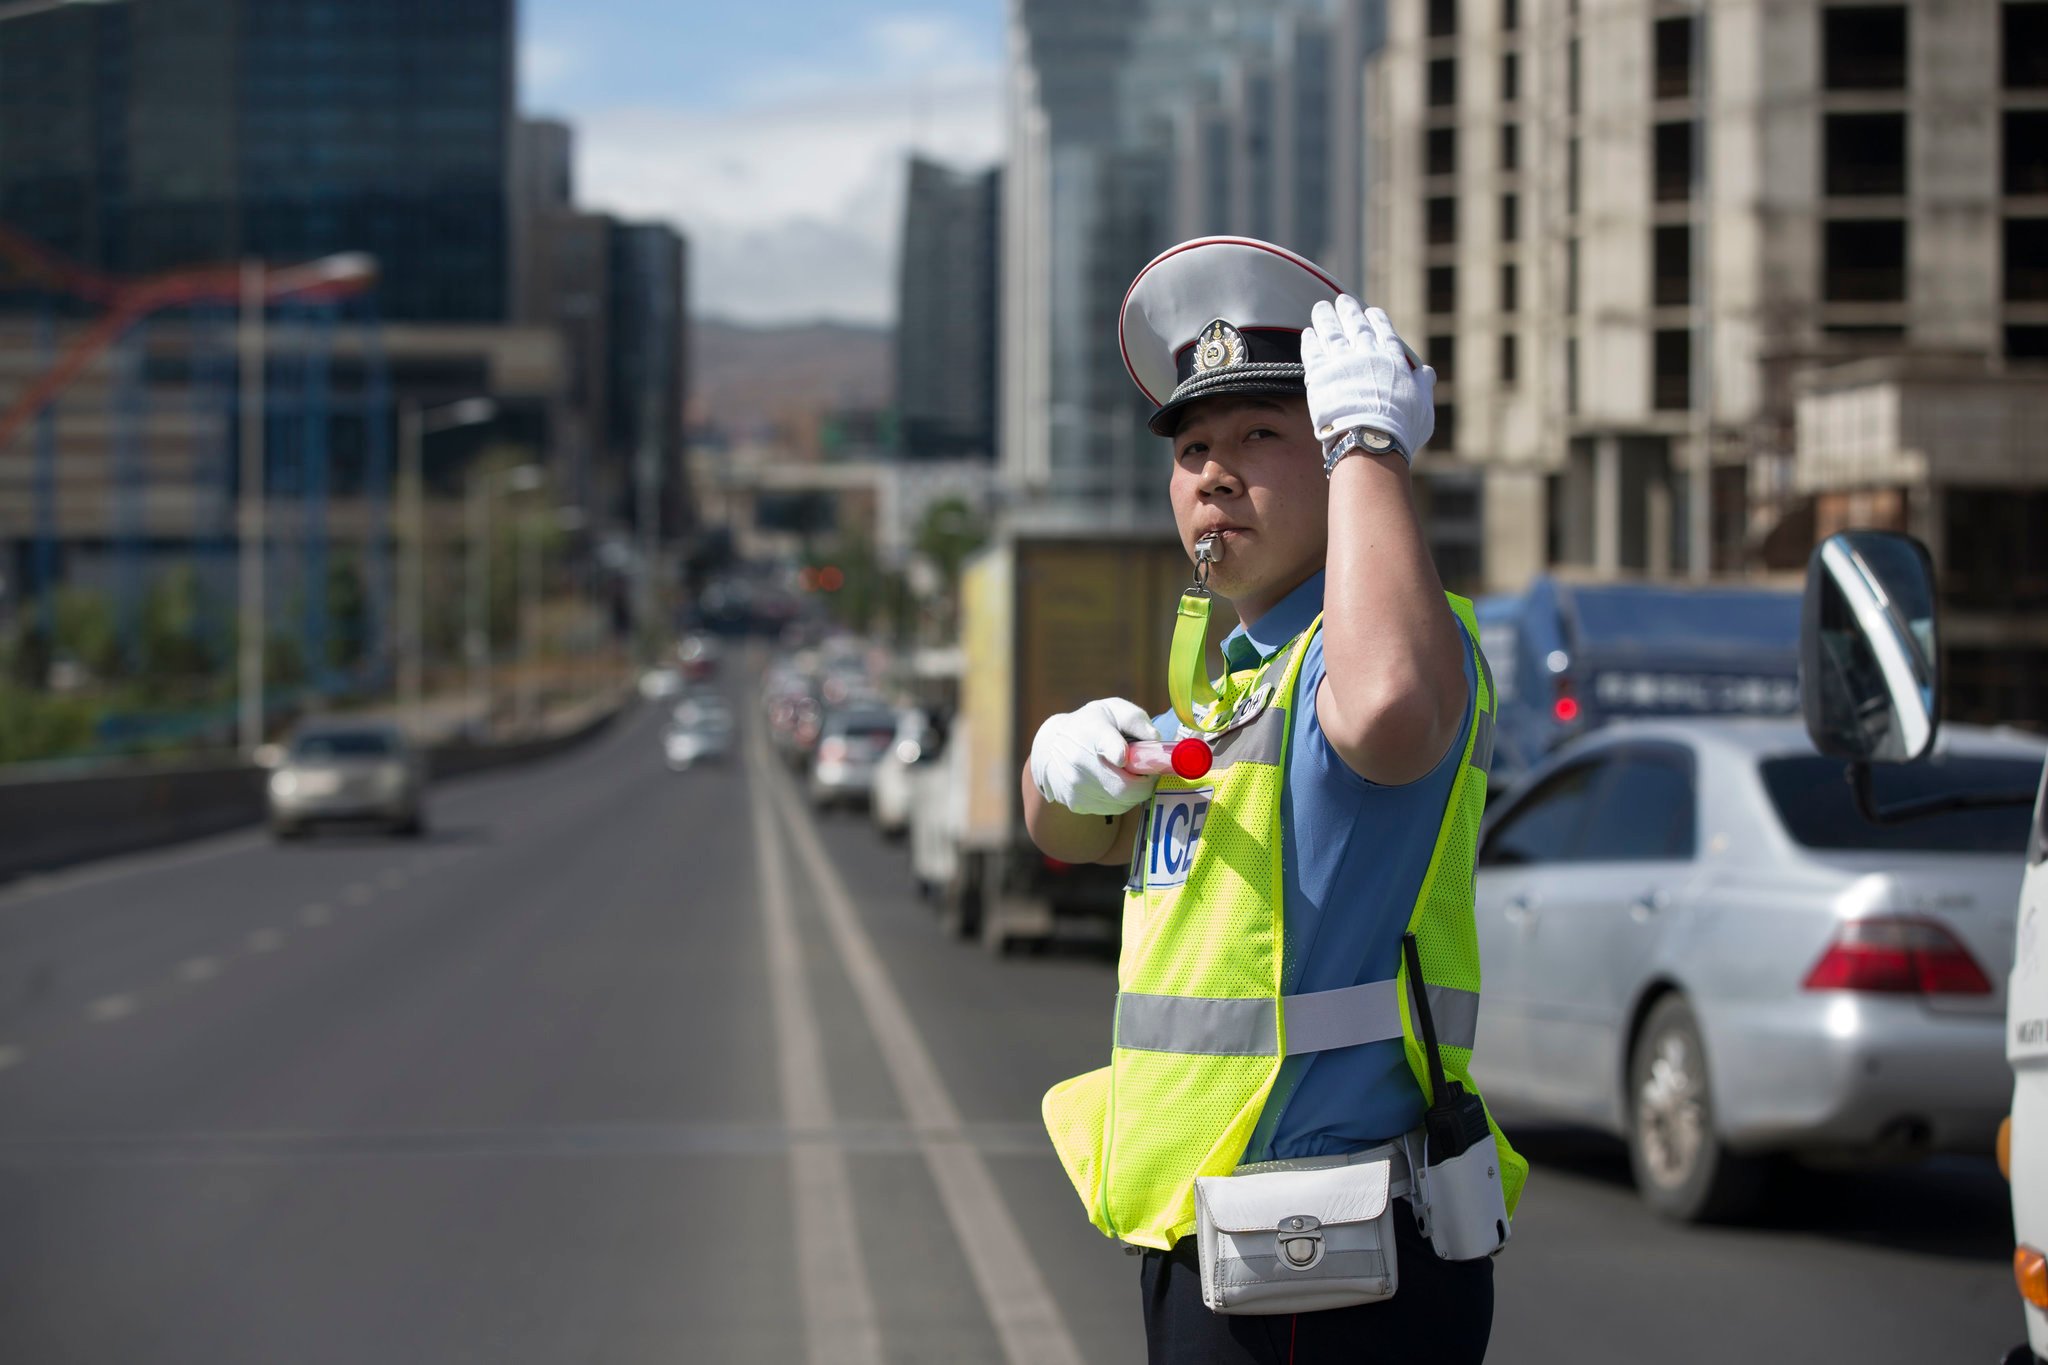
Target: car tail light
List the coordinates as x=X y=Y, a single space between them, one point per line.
x=832 y=751
x=2005 y=1147
x=2030 y=1273
x=1056 y=867
x=1897 y=956
x=1566 y=706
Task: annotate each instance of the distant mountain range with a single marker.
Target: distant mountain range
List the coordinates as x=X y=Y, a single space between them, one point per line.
x=754 y=382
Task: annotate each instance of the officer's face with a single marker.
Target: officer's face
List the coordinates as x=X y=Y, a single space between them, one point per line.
x=1252 y=469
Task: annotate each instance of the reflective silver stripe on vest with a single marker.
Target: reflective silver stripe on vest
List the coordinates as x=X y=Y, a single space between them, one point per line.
x=1316 y=1022
x=1191 y=1023
x=1264 y=740
x=1482 y=743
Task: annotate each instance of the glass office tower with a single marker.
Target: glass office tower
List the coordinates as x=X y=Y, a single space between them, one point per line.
x=146 y=136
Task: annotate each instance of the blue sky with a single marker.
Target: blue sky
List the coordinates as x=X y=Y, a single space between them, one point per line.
x=772 y=132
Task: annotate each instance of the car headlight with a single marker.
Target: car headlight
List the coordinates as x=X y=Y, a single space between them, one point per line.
x=284 y=783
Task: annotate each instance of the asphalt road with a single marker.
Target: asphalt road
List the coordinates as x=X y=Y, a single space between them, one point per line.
x=620 y=1065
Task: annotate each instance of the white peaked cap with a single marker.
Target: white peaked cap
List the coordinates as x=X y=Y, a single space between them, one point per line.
x=1259 y=293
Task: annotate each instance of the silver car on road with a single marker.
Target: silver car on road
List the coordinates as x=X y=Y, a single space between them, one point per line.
x=1691 y=939
x=336 y=771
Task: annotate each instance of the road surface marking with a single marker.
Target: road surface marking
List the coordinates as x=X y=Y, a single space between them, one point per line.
x=1027 y=1320
x=686 y=1141
x=108 y=1008
x=38 y=885
x=359 y=893
x=198 y=969
x=10 y=1055
x=840 y=1323
x=265 y=941
x=393 y=878
x=313 y=916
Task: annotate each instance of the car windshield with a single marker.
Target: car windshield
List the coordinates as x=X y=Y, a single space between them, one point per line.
x=1634 y=617
x=1819 y=810
x=344 y=744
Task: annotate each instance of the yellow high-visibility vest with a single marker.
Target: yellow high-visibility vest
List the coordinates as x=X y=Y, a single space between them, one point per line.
x=1201 y=1024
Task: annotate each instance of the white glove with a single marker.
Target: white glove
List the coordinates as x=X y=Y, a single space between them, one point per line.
x=1077 y=758
x=1361 y=374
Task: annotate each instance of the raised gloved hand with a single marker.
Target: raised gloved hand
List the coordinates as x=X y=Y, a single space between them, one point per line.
x=1075 y=758
x=1361 y=374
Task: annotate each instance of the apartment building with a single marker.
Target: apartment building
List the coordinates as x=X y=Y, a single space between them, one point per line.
x=1629 y=234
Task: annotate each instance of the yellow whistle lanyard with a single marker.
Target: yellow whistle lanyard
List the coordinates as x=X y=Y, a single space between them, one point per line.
x=1195 y=700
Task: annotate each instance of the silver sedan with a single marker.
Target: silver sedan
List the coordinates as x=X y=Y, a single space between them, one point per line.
x=1691 y=939
x=340 y=771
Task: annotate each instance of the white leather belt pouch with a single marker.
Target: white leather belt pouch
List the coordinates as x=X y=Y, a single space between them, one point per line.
x=1296 y=1241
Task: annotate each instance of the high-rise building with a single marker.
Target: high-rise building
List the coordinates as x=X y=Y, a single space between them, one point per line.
x=648 y=368
x=1178 y=118
x=1652 y=250
x=147 y=136
x=947 y=313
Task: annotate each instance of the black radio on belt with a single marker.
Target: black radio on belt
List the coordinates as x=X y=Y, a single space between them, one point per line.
x=1455 y=1120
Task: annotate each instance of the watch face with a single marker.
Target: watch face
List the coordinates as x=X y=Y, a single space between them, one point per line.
x=1375 y=440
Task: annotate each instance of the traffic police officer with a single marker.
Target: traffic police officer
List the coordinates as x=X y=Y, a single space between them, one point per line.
x=1299 y=864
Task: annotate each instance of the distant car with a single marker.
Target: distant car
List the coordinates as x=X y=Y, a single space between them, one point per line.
x=1691 y=939
x=700 y=729
x=354 y=772
x=659 y=684
x=850 y=744
x=699 y=656
x=1569 y=657
x=917 y=741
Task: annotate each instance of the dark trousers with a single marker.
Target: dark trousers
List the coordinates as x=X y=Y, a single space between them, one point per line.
x=1441 y=1314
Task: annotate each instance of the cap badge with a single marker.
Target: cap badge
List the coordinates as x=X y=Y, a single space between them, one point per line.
x=1221 y=346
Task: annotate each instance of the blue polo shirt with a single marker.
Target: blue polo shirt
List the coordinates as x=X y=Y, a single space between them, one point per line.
x=1354 y=861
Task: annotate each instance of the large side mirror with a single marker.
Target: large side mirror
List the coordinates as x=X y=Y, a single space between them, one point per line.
x=268 y=756
x=1868 y=654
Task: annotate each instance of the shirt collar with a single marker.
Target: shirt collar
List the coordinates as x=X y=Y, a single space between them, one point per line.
x=1248 y=648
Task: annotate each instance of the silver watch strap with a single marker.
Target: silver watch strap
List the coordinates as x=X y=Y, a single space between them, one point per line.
x=1354 y=441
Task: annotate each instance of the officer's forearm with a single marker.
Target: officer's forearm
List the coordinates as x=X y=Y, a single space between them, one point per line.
x=1394 y=685
x=1073 y=838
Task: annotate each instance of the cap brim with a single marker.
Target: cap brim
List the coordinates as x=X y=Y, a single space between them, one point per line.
x=1166 y=420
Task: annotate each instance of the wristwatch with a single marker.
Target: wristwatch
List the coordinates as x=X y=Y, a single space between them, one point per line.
x=1361 y=440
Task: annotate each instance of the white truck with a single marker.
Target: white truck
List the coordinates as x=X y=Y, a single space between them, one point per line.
x=1048 y=620
x=1871 y=691
x=2023 y=1149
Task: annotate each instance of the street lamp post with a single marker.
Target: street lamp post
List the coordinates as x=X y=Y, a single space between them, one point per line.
x=483 y=486
x=414 y=426
x=259 y=285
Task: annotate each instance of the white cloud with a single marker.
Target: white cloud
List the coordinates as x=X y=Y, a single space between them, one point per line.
x=792 y=199
x=545 y=65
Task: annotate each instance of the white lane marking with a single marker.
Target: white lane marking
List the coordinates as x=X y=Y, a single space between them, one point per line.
x=36 y=886
x=265 y=941
x=359 y=893
x=108 y=1008
x=10 y=1055
x=198 y=969
x=840 y=1322
x=315 y=915
x=393 y=878
x=1026 y=1318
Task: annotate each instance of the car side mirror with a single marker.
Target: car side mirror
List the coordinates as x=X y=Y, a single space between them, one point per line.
x=1869 y=655
x=268 y=756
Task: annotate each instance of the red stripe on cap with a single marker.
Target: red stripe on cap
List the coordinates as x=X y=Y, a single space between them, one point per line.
x=1123 y=347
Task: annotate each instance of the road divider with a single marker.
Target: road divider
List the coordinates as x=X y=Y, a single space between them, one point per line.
x=56 y=815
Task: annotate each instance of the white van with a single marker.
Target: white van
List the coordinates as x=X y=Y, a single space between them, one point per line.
x=2023 y=1148
x=1870 y=688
